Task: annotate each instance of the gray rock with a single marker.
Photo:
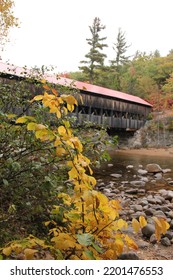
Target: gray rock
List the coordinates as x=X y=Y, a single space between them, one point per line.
x=116 y=175
x=131 y=191
x=142 y=171
x=153 y=239
x=165 y=241
x=128 y=256
x=129 y=166
x=164 y=208
x=171 y=224
x=170 y=214
x=169 y=195
x=137 y=214
x=148 y=230
x=142 y=244
x=152 y=200
x=137 y=183
x=153 y=168
x=158 y=176
x=137 y=207
x=167 y=170
x=169 y=234
x=144 y=202
x=149 y=212
x=160 y=213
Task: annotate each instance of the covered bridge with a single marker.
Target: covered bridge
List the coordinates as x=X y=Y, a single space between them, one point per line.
x=101 y=106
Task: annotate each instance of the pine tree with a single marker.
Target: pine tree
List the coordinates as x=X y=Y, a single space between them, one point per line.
x=120 y=47
x=95 y=58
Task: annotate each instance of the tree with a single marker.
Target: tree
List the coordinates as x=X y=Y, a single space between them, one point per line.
x=7 y=20
x=95 y=58
x=120 y=48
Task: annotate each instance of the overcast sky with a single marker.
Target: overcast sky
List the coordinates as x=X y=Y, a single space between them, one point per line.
x=54 y=32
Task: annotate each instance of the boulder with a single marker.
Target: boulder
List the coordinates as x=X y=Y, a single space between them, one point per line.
x=153 y=168
x=148 y=230
x=128 y=256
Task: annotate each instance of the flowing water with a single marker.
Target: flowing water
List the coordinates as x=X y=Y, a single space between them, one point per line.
x=120 y=161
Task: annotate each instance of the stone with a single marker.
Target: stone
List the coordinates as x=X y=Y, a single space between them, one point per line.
x=152 y=200
x=149 y=212
x=128 y=256
x=169 y=234
x=116 y=175
x=171 y=224
x=137 y=214
x=137 y=183
x=167 y=170
x=129 y=166
x=165 y=241
x=148 y=230
x=142 y=244
x=142 y=171
x=137 y=207
x=131 y=191
x=153 y=239
x=110 y=165
x=169 y=195
x=143 y=202
x=170 y=214
x=153 y=168
x=159 y=213
x=158 y=176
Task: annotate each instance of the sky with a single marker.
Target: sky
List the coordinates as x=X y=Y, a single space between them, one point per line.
x=54 y=32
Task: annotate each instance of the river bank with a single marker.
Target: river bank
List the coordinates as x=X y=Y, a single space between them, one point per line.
x=158 y=152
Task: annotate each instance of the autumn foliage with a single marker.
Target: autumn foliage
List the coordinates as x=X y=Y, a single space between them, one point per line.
x=84 y=224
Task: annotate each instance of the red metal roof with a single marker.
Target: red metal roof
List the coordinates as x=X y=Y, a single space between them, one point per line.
x=22 y=72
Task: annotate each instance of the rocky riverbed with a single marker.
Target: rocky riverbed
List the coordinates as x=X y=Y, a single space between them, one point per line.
x=148 y=192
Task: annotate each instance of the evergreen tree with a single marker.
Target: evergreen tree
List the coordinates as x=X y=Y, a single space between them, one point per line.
x=121 y=59
x=95 y=58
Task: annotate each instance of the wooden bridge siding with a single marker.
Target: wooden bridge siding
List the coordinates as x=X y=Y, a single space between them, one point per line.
x=121 y=114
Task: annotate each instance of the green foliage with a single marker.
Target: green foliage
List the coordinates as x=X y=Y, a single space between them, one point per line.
x=83 y=223
x=95 y=58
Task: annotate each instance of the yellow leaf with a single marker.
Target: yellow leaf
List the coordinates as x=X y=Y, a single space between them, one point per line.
x=7 y=251
x=73 y=173
x=142 y=221
x=58 y=114
x=119 y=245
x=60 y=151
x=47 y=223
x=165 y=225
x=158 y=232
x=29 y=253
x=57 y=141
x=54 y=92
x=122 y=224
x=130 y=242
x=43 y=81
x=11 y=116
x=46 y=87
x=62 y=130
x=70 y=107
x=135 y=225
x=32 y=126
x=37 y=98
x=22 y=120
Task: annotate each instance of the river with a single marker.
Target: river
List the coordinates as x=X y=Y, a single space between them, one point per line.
x=120 y=160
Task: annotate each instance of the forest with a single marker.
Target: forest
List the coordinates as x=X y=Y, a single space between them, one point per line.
x=49 y=205
x=149 y=76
